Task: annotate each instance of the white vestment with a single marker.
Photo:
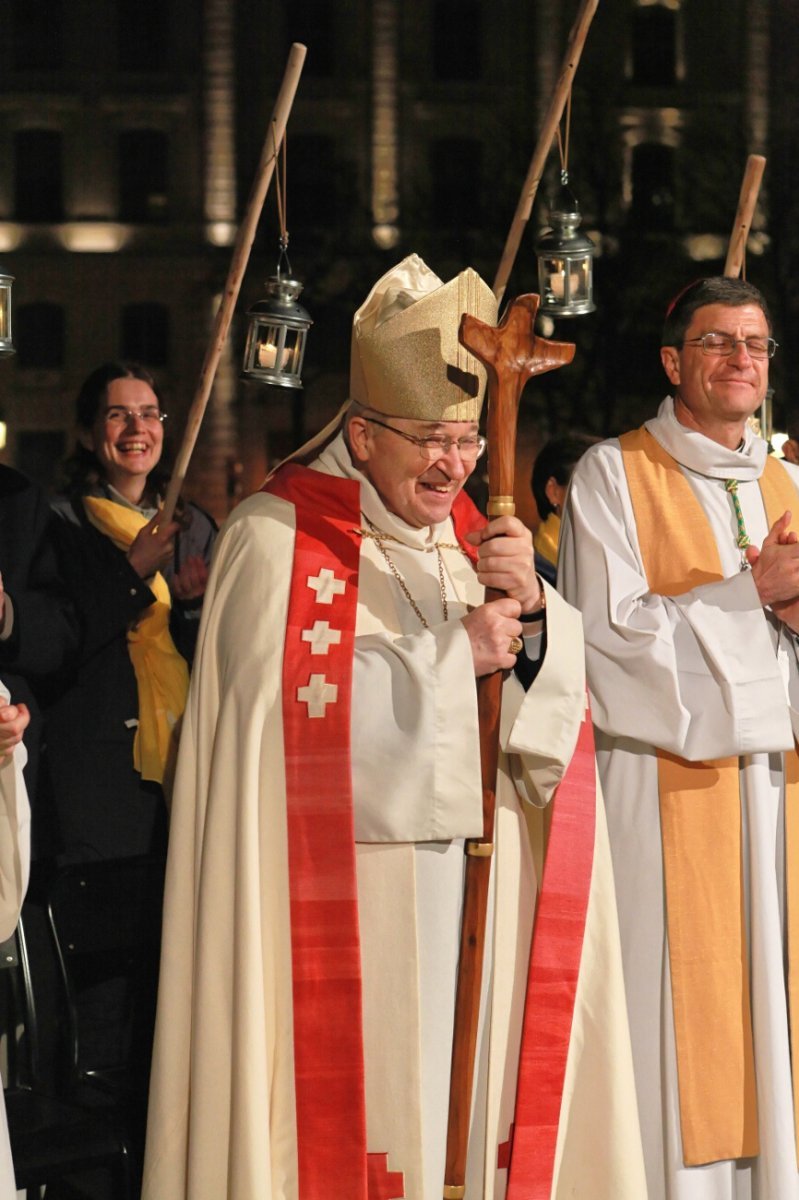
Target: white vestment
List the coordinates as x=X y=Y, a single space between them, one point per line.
x=417 y=794
x=15 y=850
x=704 y=675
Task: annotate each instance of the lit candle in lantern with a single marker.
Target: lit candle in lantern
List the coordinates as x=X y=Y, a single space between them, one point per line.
x=268 y=356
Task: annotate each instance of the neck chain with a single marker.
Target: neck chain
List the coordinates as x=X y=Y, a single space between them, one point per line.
x=379 y=538
x=742 y=541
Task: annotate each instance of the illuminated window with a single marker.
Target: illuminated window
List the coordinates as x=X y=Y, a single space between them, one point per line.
x=37 y=35
x=38 y=184
x=144 y=334
x=653 y=186
x=654 y=45
x=39 y=336
x=143 y=175
x=457 y=39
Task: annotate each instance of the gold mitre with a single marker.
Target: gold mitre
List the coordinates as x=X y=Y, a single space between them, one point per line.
x=406 y=359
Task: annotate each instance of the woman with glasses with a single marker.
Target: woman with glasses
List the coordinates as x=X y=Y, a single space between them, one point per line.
x=138 y=587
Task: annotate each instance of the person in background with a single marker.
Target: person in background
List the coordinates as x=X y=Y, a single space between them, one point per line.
x=549 y=482
x=329 y=773
x=137 y=585
x=38 y=624
x=679 y=547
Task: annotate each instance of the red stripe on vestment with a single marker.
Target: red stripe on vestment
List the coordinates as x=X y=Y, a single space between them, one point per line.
x=384 y=1184
x=554 y=968
x=328 y=1035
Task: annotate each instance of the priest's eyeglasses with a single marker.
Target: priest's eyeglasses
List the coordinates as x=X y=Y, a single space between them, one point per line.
x=117 y=414
x=724 y=344
x=470 y=446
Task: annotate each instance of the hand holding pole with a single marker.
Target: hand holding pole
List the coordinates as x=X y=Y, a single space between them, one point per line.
x=511 y=353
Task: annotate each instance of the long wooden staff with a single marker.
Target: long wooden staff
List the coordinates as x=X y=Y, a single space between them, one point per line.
x=238 y=265
x=512 y=353
x=750 y=187
x=579 y=33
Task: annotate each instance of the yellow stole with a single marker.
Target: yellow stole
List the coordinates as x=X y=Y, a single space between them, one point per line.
x=700 y=814
x=162 y=675
x=547 y=537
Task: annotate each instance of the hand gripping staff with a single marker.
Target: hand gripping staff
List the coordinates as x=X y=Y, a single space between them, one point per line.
x=511 y=353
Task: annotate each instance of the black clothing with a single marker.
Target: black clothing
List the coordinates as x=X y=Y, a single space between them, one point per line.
x=105 y=809
x=44 y=634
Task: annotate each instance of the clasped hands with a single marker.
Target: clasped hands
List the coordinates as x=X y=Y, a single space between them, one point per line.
x=504 y=563
x=151 y=550
x=775 y=571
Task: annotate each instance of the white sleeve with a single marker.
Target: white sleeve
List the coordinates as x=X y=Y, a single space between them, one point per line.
x=15 y=820
x=695 y=674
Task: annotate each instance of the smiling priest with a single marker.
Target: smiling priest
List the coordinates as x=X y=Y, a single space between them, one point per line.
x=329 y=773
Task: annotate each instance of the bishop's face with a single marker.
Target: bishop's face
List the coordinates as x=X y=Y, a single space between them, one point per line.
x=715 y=393
x=418 y=491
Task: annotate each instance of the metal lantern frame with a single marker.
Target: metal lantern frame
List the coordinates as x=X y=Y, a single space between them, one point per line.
x=6 y=339
x=565 y=259
x=277 y=328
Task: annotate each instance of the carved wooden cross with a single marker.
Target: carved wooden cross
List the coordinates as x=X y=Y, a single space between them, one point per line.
x=512 y=354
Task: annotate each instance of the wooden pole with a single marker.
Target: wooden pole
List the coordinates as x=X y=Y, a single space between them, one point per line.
x=238 y=265
x=511 y=353
x=554 y=113
x=747 y=201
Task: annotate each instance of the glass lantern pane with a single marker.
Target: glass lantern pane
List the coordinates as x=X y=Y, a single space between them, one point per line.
x=5 y=310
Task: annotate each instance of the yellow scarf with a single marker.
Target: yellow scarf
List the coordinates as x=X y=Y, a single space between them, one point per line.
x=547 y=537
x=162 y=675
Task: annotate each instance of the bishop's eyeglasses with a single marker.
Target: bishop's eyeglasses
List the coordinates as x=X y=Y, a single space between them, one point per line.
x=470 y=446
x=724 y=344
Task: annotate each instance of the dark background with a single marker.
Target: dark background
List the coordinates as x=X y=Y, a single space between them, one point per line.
x=118 y=120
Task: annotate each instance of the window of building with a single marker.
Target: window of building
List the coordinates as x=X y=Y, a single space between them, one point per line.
x=311 y=22
x=143 y=35
x=144 y=335
x=653 y=186
x=456 y=168
x=143 y=175
x=37 y=35
x=39 y=336
x=38 y=181
x=654 y=45
x=457 y=39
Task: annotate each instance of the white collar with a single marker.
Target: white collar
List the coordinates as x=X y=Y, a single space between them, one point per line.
x=699 y=453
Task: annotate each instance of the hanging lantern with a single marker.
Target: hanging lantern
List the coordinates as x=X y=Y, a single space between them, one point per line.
x=277 y=328
x=565 y=259
x=6 y=343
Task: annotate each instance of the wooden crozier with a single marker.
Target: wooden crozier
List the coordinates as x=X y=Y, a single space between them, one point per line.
x=511 y=353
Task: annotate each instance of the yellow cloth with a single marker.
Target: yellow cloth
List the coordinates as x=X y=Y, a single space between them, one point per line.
x=162 y=675
x=701 y=830
x=547 y=537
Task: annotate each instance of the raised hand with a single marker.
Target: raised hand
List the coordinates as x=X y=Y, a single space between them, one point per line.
x=189 y=583
x=153 y=546
x=14 y=720
x=775 y=570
